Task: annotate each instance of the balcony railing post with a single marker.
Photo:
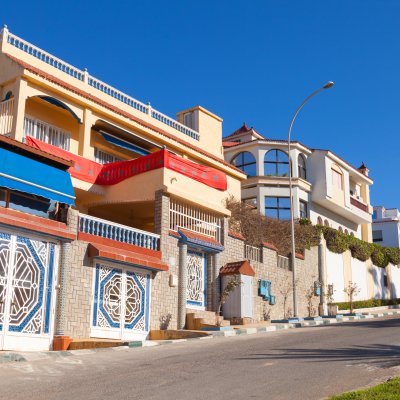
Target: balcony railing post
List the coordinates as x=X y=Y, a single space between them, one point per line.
x=85 y=76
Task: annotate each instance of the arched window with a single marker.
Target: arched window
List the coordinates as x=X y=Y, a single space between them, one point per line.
x=246 y=162
x=276 y=163
x=326 y=223
x=319 y=221
x=346 y=231
x=340 y=229
x=301 y=162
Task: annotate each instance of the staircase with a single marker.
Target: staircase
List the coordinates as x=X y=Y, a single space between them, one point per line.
x=201 y=320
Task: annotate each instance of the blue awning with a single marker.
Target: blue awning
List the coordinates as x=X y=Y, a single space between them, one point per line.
x=124 y=144
x=21 y=173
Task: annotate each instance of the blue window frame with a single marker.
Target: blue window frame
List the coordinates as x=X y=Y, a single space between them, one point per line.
x=246 y=162
x=276 y=163
x=277 y=207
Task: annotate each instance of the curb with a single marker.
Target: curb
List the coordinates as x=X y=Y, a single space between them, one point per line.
x=41 y=355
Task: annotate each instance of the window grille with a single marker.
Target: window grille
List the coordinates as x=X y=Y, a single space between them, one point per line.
x=185 y=216
x=103 y=157
x=252 y=253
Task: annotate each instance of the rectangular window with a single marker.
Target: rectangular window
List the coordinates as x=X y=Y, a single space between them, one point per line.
x=337 y=180
x=303 y=209
x=377 y=236
x=103 y=157
x=277 y=207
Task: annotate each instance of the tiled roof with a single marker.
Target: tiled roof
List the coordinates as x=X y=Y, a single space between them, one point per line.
x=235 y=268
x=236 y=235
x=199 y=237
x=117 y=110
x=126 y=256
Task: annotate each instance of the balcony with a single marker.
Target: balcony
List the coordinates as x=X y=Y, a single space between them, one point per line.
x=358 y=204
x=120 y=233
x=349 y=207
x=22 y=49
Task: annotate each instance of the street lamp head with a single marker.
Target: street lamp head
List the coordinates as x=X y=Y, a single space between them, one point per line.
x=328 y=85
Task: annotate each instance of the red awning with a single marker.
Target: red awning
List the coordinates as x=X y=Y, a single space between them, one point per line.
x=126 y=256
x=112 y=173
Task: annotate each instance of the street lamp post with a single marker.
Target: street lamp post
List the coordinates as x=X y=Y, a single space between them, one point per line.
x=293 y=243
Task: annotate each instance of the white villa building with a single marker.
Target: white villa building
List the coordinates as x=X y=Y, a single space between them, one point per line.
x=326 y=189
x=386 y=226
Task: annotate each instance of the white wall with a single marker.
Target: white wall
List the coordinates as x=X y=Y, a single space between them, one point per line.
x=359 y=273
x=394 y=281
x=335 y=274
x=378 y=275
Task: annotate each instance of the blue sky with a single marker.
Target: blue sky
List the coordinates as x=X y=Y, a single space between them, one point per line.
x=250 y=61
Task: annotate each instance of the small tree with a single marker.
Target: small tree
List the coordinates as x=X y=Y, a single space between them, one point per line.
x=352 y=291
x=232 y=284
x=310 y=296
x=285 y=290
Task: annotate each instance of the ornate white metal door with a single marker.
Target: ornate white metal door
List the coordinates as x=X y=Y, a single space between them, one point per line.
x=121 y=303
x=26 y=292
x=196 y=280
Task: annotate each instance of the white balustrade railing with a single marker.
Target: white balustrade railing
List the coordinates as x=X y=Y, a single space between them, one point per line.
x=121 y=233
x=185 y=216
x=252 y=253
x=83 y=76
x=6 y=116
x=46 y=133
x=174 y=124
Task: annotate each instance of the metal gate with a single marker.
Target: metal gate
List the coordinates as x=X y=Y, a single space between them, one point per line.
x=26 y=292
x=121 y=303
x=196 y=280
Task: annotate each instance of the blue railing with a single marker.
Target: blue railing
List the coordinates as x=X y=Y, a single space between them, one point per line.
x=121 y=233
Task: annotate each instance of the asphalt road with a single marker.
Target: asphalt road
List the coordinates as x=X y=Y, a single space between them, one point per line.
x=307 y=363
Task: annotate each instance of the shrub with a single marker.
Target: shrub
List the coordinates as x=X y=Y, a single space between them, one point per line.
x=368 y=303
x=379 y=256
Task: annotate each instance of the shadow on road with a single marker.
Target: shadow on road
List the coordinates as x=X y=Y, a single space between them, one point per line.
x=379 y=355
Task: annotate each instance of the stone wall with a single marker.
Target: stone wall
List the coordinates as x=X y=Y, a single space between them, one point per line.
x=164 y=299
x=78 y=303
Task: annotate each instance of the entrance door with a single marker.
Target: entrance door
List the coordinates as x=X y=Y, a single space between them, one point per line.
x=26 y=292
x=196 y=280
x=121 y=302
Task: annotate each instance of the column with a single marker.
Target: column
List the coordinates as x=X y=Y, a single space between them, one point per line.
x=216 y=280
x=61 y=341
x=20 y=96
x=323 y=310
x=85 y=131
x=182 y=294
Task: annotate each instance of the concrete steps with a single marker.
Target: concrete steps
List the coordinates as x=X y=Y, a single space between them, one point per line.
x=199 y=319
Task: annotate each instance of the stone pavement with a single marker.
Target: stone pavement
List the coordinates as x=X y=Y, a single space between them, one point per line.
x=14 y=356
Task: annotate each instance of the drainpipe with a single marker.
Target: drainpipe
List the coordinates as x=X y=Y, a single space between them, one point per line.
x=182 y=287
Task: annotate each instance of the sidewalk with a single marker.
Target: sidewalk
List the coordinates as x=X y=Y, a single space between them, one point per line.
x=238 y=330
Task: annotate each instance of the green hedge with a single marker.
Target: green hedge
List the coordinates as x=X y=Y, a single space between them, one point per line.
x=339 y=242
x=368 y=303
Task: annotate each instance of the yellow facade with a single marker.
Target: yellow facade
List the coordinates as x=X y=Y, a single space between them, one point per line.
x=88 y=108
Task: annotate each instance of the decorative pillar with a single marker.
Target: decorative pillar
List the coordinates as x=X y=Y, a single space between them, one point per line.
x=216 y=281
x=85 y=131
x=61 y=341
x=323 y=310
x=182 y=293
x=20 y=96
